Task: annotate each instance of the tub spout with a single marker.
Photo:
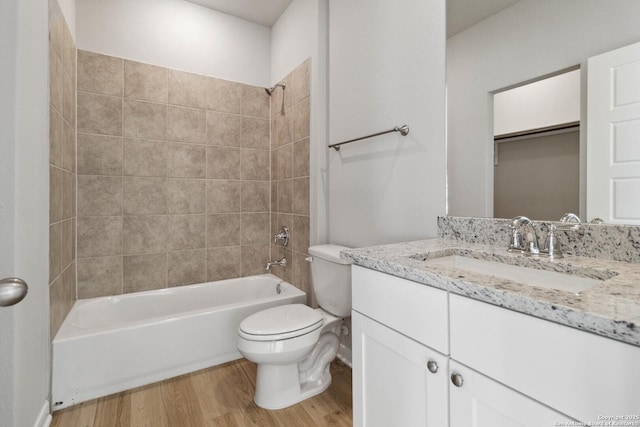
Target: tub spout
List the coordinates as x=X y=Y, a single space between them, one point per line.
x=281 y=263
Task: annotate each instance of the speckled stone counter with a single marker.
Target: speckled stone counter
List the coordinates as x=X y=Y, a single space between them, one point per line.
x=611 y=308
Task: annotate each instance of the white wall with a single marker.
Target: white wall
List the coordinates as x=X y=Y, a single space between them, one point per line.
x=547 y=102
x=68 y=8
x=301 y=33
x=531 y=39
x=386 y=68
x=176 y=34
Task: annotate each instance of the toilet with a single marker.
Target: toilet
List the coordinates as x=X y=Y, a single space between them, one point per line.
x=294 y=344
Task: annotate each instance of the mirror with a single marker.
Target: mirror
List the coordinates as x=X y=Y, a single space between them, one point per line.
x=519 y=44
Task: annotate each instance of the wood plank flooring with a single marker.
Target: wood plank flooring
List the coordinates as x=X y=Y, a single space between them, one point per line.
x=218 y=396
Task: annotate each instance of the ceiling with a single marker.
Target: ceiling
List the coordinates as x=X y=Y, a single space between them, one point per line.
x=461 y=14
x=263 y=12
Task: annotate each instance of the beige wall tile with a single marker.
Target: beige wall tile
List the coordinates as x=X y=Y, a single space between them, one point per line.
x=56 y=27
x=144 y=234
x=186 y=232
x=62 y=295
x=255 y=102
x=99 y=236
x=68 y=252
x=99 y=114
x=144 y=196
x=186 y=267
x=68 y=147
x=187 y=89
x=255 y=196
x=144 y=272
x=68 y=99
x=254 y=164
x=145 y=82
x=285 y=196
x=283 y=272
x=283 y=124
x=301 y=120
x=300 y=233
x=145 y=119
x=274 y=196
x=56 y=82
x=223 y=163
x=99 y=155
x=255 y=228
x=301 y=82
x=186 y=124
x=55 y=250
x=68 y=195
x=223 y=196
x=99 y=276
x=254 y=133
x=186 y=160
x=186 y=196
x=55 y=194
x=300 y=158
x=100 y=73
x=300 y=194
x=223 y=95
x=223 y=263
x=68 y=55
x=144 y=157
x=223 y=230
x=254 y=259
x=55 y=137
x=301 y=275
x=223 y=129
x=99 y=195
x=284 y=160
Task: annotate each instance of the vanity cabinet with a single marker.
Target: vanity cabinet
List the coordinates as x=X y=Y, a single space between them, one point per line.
x=585 y=376
x=398 y=378
x=495 y=367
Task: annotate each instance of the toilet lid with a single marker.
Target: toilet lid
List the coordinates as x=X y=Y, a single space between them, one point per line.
x=281 y=322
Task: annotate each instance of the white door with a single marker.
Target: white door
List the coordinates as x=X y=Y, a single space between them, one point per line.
x=24 y=211
x=613 y=136
x=392 y=382
x=478 y=401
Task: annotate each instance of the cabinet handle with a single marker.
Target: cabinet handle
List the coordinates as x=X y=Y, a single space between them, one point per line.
x=432 y=366
x=457 y=380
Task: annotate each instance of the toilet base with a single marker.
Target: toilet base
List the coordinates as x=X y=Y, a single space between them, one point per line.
x=278 y=386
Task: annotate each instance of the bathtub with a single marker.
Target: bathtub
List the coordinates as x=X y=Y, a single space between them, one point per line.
x=110 y=344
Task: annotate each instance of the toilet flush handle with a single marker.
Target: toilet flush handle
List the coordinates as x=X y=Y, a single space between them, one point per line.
x=309 y=259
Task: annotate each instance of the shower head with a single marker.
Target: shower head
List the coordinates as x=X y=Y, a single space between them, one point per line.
x=270 y=90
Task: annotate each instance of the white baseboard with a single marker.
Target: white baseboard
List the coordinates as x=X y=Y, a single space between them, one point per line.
x=344 y=354
x=44 y=417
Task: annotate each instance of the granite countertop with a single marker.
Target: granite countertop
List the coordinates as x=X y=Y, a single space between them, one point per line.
x=611 y=308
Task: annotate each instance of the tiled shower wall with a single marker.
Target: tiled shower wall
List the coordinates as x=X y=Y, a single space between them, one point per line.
x=62 y=168
x=290 y=175
x=173 y=177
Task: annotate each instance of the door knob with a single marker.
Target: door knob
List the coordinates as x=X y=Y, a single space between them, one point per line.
x=12 y=291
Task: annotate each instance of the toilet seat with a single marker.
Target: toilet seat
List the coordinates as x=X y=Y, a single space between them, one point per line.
x=280 y=323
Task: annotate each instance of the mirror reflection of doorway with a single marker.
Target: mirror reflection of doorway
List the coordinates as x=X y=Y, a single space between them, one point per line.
x=537 y=148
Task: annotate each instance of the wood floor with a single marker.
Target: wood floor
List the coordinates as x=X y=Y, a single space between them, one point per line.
x=218 y=396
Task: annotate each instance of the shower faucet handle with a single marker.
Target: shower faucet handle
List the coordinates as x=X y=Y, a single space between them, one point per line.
x=283 y=236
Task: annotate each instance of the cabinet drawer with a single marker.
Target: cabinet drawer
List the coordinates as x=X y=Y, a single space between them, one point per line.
x=583 y=375
x=413 y=309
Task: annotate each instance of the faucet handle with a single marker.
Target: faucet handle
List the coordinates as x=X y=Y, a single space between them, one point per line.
x=551 y=245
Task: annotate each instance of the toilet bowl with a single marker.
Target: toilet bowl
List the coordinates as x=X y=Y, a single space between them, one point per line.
x=294 y=345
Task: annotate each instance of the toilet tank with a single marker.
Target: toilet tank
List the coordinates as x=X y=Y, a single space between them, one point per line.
x=331 y=278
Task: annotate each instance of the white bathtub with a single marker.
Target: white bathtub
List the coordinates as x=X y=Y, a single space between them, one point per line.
x=110 y=344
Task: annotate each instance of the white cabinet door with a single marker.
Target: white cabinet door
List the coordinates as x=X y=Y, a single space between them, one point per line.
x=613 y=132
x=482 y=402
x=392 y=385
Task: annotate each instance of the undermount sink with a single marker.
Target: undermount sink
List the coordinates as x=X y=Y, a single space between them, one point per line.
x=569 y=282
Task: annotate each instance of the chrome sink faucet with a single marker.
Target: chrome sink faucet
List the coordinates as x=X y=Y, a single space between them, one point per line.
x=529 y=245
x=281 y=263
